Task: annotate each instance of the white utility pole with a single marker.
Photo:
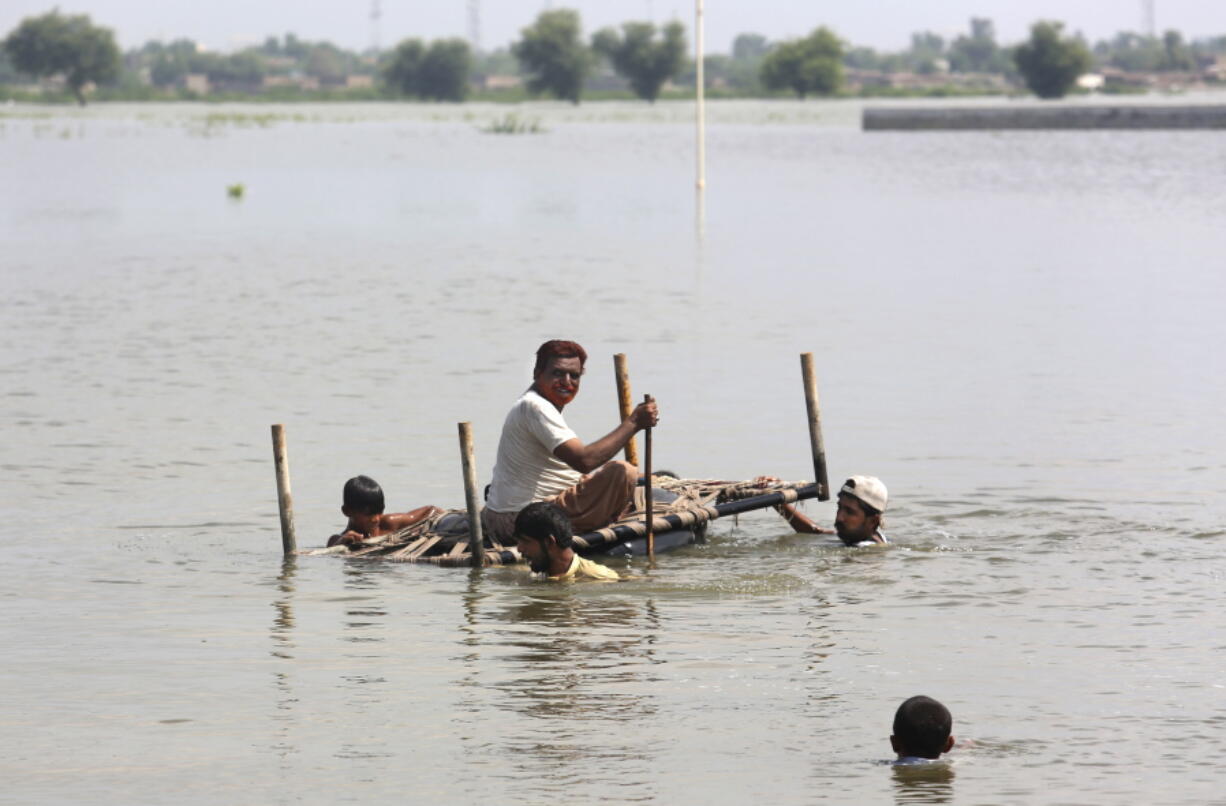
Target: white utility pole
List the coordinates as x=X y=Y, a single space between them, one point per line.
x=699 y=87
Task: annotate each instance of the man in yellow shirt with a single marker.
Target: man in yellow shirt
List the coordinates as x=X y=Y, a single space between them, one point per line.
x=543 y=535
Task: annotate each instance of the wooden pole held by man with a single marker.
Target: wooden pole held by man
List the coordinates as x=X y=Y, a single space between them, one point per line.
x=815 y=427
x=624 y=405
x=476 y=542
x=285 y=499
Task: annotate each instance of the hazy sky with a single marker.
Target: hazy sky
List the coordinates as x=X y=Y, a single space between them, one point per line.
x=883 y=24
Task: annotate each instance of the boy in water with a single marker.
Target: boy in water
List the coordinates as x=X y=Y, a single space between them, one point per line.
x=363 y=505
x=921 y=731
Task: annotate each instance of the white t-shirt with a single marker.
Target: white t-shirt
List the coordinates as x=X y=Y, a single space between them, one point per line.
x=526 y=469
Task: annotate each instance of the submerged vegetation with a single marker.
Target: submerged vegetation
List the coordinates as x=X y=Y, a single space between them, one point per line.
x=262 y=120
x=512 y=123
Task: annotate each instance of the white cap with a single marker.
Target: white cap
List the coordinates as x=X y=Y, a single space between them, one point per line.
x=868 y=489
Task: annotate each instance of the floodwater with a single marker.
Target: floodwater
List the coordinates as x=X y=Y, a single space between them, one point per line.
x=1021 y=333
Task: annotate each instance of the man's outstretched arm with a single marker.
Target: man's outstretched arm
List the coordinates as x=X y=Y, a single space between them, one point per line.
x=800 y=522
x=586 y=458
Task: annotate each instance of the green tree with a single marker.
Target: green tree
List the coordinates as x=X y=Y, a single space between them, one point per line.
x=294 y=47
x=168 y=64
x=327 y=63
x=862 y=58
x=1132 y=52
x=640 y=57
x=400 y=67
x=438 y=72
x=497 y=62
x=977 y=53
x=8 y=73
x=716 y=68
x=1176 y=53
x=443 y=74
x=552 y=54
x=1049 y=62
x=927 y=50
x=242 y=72
x=73 y=47
x=749 y=48
x=745 y=68
x=810 y=65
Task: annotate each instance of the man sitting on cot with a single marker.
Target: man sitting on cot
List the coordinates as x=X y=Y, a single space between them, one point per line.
x=543 y=534
x=363 y=505
x=857 y=521
x=541 y=459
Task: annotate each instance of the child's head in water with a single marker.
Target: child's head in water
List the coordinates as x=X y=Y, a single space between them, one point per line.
x=922 y=729
x=363 y=502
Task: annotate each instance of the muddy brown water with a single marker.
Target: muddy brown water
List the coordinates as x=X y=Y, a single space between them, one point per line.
x=1019 y=332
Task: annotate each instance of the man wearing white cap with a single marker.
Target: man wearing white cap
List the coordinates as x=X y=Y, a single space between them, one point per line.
x=862 y=500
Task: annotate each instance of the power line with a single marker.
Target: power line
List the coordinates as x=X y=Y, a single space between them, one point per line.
x=474 y=25
x=376 y=14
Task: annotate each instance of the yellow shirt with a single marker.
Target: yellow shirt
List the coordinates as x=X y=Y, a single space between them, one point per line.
x=586 y=569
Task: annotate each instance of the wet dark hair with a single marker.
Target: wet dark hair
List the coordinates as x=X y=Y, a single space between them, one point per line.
x=364 y=496
x=557 y=349
x=922 y=726
x=540 y=519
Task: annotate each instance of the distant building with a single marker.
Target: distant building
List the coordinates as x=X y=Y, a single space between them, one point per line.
x=1091 y=81
x=1217 y=70
x=197 y=83
x=857 y=80
x=502 y=82
x=296 y=81
x=1116 y=79
x=1176 y=81
x=359 y=82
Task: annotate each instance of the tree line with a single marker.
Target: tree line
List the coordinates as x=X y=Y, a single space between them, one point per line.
x=554 y=58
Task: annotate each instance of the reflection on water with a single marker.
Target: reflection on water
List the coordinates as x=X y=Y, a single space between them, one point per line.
x=923 y=783
x=817 y=628
x=566 y=647
x=283 y=621
x=577 y=669
x=282 y=636
x=365 y=618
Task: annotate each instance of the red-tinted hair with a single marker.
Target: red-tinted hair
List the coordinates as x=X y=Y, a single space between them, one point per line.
x=558 y=349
